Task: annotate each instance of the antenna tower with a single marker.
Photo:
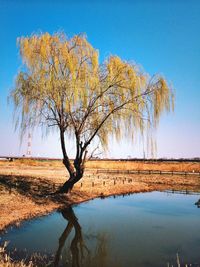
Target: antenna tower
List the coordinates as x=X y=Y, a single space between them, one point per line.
x=28 y=153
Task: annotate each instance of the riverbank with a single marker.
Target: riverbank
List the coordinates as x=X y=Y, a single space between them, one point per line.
x=19 y=202
x=26 y=189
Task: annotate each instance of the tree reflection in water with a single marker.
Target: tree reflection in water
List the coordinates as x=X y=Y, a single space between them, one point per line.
x=198 y=203
x=80 y=254
x=77 y=245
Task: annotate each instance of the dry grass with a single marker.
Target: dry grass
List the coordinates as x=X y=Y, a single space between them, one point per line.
x=179 y=264
x=113 y=164
x=147 y=165
x=33 y=260
x=6 y=260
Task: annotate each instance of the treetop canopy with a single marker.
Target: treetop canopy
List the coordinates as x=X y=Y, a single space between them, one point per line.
x=64 y=85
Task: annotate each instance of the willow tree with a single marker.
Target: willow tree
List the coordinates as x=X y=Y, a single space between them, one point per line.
x=63 y=85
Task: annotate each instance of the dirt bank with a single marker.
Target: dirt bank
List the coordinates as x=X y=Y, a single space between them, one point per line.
x=26 y=189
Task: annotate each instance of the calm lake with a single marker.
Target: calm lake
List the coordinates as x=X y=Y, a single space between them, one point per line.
x=140 y=230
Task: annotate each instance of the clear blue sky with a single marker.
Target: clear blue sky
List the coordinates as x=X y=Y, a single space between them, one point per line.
x=163 y=36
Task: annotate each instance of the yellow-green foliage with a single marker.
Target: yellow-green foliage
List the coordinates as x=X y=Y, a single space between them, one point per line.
x=63 y=84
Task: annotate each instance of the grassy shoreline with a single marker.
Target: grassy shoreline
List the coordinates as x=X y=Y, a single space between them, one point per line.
x=26 y=185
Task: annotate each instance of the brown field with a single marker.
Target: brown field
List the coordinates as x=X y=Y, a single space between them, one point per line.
x=146 y=165
x=26 y=185
x=113 y=164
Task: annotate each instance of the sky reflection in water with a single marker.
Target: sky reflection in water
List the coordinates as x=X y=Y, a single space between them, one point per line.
x=141 y=230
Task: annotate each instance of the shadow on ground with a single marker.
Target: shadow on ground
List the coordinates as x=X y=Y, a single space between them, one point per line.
x=36 y=189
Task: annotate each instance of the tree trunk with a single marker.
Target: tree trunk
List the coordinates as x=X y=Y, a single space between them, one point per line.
x=75 y=170
x=69 y=184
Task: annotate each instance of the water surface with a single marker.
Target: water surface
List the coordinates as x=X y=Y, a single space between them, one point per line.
x=140 y=230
